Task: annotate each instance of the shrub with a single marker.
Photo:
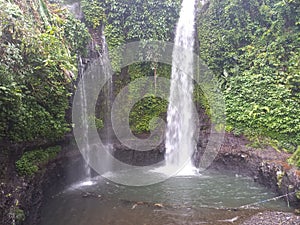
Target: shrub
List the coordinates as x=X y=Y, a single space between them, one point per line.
x=31 y=161
x=295 y=159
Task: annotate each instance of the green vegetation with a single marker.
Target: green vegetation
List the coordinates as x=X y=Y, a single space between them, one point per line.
x=16 y=212
x=150 y=106
x=98 y=123
x=93 y=13
x=19 y=215
x=137 y=20
x=30 y=162
x=253 y=48
x=39 y=43
x=295 y=159
x=298 y=194
x=130 y=20
x=144 y=111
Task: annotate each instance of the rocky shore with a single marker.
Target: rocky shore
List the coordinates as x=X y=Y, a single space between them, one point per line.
x=266 y=166
x=22 y=197
x=273 y=218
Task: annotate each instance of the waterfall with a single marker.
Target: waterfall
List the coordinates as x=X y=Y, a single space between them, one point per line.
x=97 y=71
x=180 y=143
x=108 y=90
x=84 y=120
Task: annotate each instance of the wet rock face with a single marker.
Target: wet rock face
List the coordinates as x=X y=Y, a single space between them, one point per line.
x=282 y=178
x=266 y=166
x=139 y=158
x=75 y=9
x=21 y=197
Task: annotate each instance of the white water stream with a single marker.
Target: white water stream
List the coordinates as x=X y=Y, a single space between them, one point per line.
x=180 y=143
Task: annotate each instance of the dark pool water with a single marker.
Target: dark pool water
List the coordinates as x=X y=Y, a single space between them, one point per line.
x=210 y=198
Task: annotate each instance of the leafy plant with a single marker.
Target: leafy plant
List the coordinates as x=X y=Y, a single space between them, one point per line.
x=19 y=215
x=38 y=61
x=133 y=20
x=31 y=161
x=93 y=12
x=295 y=158
x=98 y=123
x=143 y=113
x=253 y=49
x=76 y=34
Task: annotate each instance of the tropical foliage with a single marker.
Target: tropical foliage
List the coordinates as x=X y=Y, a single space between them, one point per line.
x=253 y=47
x=39 y=43
x=137 y=20
x=31 y=161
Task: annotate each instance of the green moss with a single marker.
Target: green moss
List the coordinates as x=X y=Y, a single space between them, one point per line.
x=31 y=161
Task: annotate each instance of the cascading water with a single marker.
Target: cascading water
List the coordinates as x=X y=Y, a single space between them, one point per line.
x=84 y=120
x=180 y=142
x=108 y=90
x=88 y=139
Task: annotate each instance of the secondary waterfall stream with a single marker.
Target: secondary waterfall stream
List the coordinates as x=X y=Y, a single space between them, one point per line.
x=180 y=143
x=87 y=112
x=84 y=120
